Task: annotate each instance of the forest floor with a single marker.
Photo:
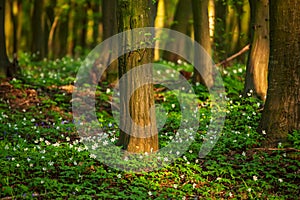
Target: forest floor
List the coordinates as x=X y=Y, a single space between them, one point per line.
x=43 y=157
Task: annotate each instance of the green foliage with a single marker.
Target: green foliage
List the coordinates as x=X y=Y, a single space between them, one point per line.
x=43 y=157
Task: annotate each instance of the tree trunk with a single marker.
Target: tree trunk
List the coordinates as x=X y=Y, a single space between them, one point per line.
x=219 y=44
x=37 y=27
x=7 y=69
x=281 y=114
x=181 y=20
x=201 y=28
x=136 y=14
x=13 y=14
x=257 y=66
x=110 y=28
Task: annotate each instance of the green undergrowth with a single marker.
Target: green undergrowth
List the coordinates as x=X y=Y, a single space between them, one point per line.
x=43 y=157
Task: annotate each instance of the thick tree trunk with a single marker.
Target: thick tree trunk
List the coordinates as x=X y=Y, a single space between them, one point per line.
x=136 y=14
x=201 y=28
x=281 y=114
x=181 y=24
x=257 y=66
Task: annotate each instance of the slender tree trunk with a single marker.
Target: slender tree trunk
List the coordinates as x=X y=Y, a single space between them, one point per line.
x=281 y=114
x=110 y=28
x=83 y=32
x=257 y=66
x=37 y=27
x=219 y=44
x=142 y=99
x=201 y=28
x=181 y=23
x=7 y=69
x=13 y=14
x=96 y=7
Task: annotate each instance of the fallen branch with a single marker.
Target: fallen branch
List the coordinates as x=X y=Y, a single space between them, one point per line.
x=277 y=149
x=243 y=50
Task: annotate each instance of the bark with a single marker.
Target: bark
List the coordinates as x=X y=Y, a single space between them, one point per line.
x=136 y=14
x=282 y=108
x=181 y=24
x=257 y=66
x=201 y=28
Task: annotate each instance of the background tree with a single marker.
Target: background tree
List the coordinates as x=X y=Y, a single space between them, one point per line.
x=257 y=66
x=281 y=114
x=181 y=23
x=201 y=29
x=110 y=28
x=142 y=99
x=7 y=69
x=37 y=27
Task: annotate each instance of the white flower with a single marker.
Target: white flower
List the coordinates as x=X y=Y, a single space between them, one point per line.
x=44 y=168
x=173 y=105
x=254 y=178
x=150 y=193
x=119 y=176
x=175 y=186
x=177 y=152
x=18 y=165
x=279 y=144
x=12 y=158
x=6 y=147
x=249 y=189
x=166 y=159
x=230 y=194
x=280 y=180
x=41 y=139
x=105 y=143
x=68 y=139
x=93 y=156
x=47 y=142
x=30 y=165
x=50 y=163
x=56 y=144
x=264 y=132
x=244 y=154
x=126 y=158
x=194 y=185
